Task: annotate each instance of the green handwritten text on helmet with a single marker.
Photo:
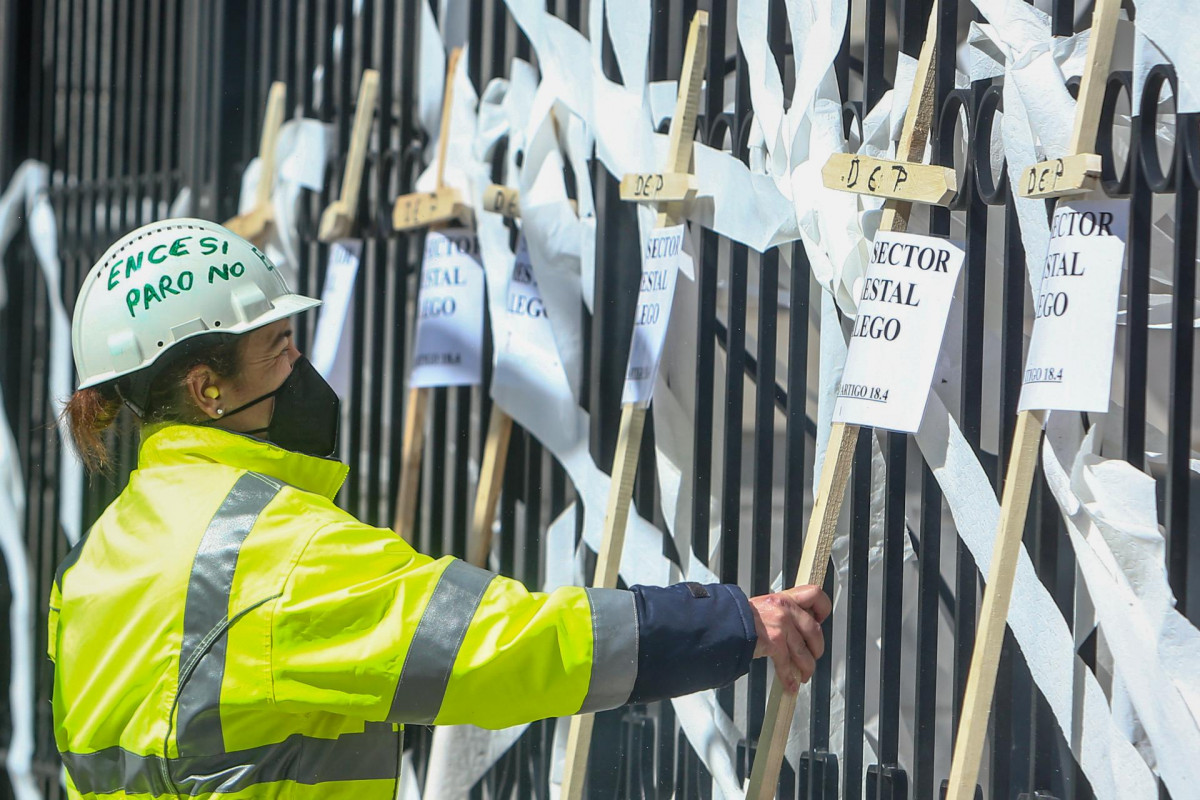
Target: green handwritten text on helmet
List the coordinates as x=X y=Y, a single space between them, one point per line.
x=167 y=282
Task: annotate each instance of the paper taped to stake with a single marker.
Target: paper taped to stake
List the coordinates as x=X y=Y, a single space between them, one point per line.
x=528 y=332
x=330 y=349
x=1069 y=366
x=449 y=340
x=903 y=304
x=660 y=267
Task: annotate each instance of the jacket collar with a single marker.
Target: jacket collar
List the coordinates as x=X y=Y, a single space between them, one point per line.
x=171 y=444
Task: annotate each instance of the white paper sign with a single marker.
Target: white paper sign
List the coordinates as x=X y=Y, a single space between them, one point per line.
x=331 y=343
x=661 y=254
x=903 y=302
x=528 y=333
x=1069 y=365
x=449 y=339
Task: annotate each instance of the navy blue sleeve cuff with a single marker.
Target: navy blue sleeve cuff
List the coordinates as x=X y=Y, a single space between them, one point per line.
x=691 y=637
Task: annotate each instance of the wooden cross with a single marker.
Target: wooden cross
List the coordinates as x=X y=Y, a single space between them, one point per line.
x=1072 y=174
x=633 y=416
x=255 y=225
x=839 y=454
x=338 y=220
x=412 y=211
x=444 y=204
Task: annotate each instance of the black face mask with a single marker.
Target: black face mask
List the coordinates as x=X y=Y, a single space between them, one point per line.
x=306 y=415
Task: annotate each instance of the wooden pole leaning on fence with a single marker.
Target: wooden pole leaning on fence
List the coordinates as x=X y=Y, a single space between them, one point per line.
x=503 y=200
x=506 y=201
x=670 y=190
x=337 y=221
x=255 y=225
x=411 y=212
x=1076 y=173
x=923 y=184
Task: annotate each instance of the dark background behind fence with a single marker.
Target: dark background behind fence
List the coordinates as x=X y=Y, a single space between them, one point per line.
x=130 y=101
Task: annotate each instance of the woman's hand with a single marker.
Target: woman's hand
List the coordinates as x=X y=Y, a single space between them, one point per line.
x=788 y=624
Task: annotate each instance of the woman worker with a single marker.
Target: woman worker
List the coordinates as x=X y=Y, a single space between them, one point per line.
x=225 y=628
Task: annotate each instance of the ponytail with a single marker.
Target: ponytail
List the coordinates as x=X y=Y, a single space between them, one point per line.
x=89 y=412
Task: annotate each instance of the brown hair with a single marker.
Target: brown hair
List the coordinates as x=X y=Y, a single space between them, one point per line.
x=89 y=412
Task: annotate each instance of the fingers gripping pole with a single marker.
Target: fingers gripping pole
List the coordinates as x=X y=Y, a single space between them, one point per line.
x=839 y=455
x=814 y=558
x=633 y=417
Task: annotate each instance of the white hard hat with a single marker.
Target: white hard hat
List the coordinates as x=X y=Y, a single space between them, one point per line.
x=167 y=282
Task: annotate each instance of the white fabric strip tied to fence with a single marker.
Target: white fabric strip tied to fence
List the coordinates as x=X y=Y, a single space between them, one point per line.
x=27 y=193
x=1110 y=512
x=15 y=204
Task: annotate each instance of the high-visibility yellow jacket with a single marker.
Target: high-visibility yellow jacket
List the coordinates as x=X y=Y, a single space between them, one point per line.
x=225 y=628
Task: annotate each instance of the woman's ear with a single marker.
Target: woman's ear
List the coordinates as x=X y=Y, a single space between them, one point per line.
x=204 y=392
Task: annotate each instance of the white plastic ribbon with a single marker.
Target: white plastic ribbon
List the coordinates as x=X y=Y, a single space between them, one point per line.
x=28 y=180
x=1110 y=510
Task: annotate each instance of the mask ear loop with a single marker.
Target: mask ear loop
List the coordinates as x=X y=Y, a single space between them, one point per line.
x=241 y=408
x=139 y=411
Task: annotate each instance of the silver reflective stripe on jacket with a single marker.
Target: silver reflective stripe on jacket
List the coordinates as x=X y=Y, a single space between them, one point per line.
x=206 y=614
x=372 y=755
x=203 y=765
x=614 y=649
x=436 y=642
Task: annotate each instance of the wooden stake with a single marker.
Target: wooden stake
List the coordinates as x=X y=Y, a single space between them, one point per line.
x=255 y=225
x=338 y=220
x=633 y=416
x=1022 y=460
x=502 y=200
x=415 y=407
x=491 y=476
x=417 y=401
x=839 y=453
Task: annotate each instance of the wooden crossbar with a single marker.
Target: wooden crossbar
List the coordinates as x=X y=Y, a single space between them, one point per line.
x=633 y=416
x=255 y=225
x=839 y=453
x=1022 y=466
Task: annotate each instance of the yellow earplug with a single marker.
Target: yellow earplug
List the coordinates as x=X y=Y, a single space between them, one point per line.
x=212 y=392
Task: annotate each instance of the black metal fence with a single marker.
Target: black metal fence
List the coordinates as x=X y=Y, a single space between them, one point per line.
x=131 y=101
